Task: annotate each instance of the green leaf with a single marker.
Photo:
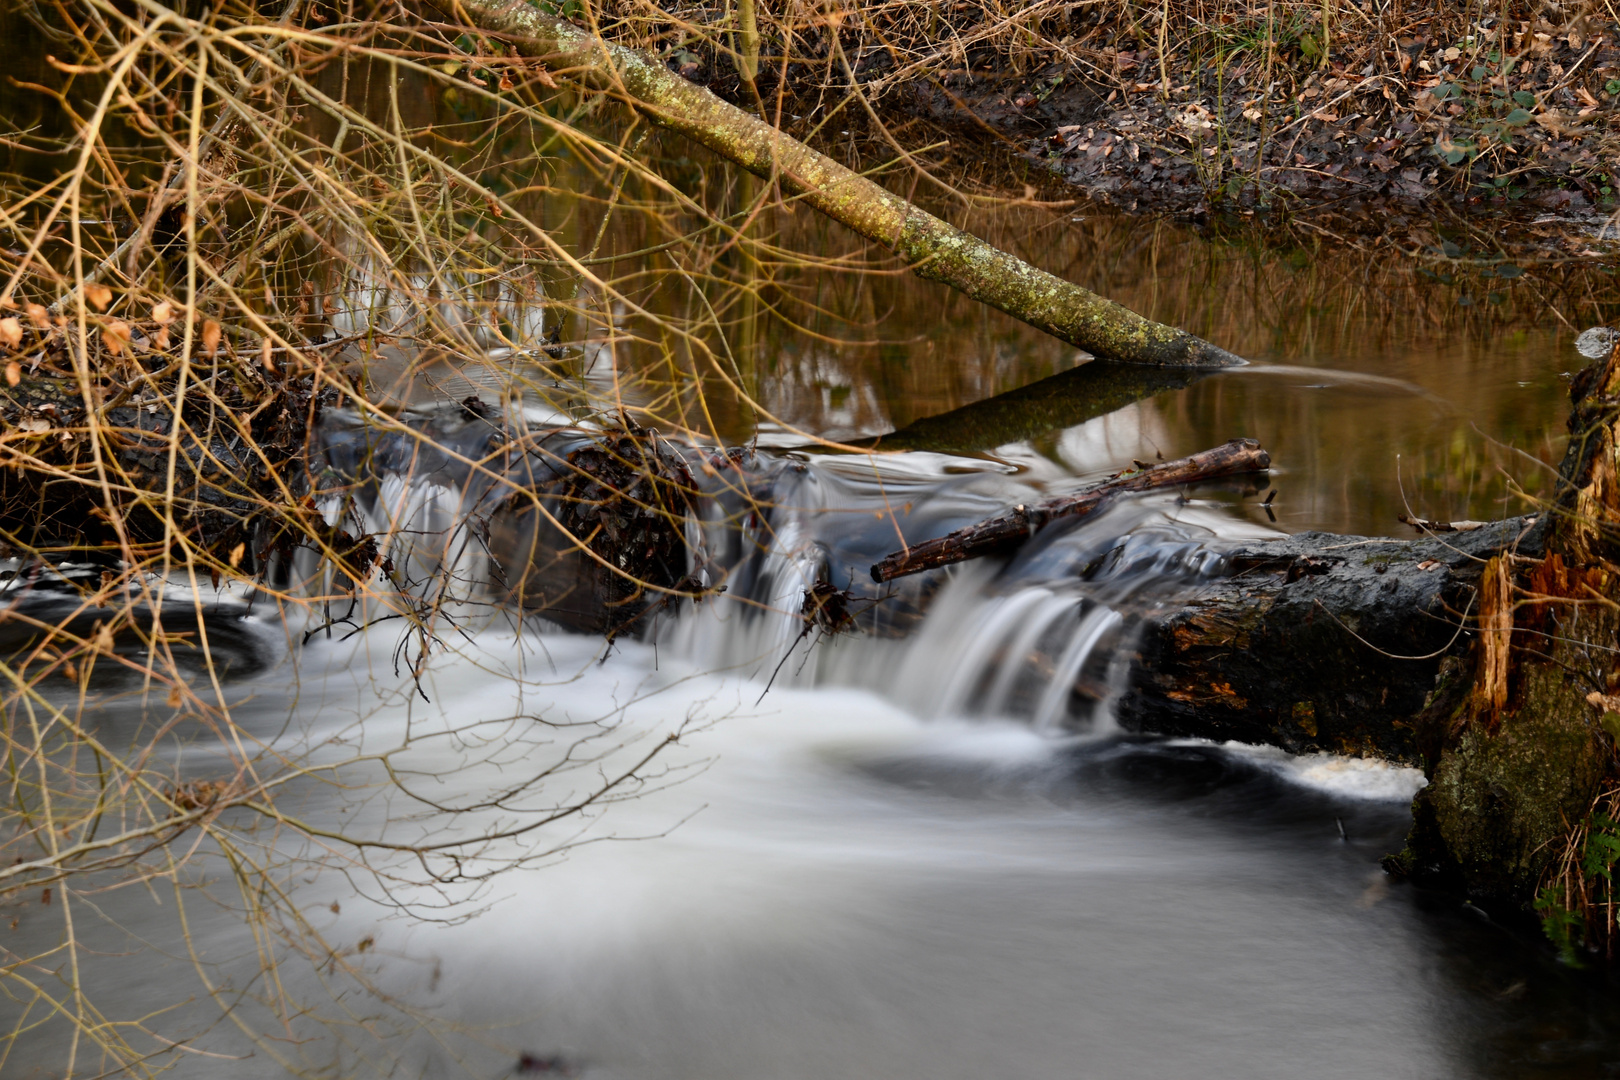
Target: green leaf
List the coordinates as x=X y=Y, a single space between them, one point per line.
x=1612 y=87
x=1525 y=98
x=1478 y=73
x=1517 y=118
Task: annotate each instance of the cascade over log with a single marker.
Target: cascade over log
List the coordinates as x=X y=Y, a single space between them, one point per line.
x=1004 y=532
x=933 y=248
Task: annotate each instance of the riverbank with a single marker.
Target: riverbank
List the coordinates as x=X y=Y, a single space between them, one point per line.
x=1203 y=109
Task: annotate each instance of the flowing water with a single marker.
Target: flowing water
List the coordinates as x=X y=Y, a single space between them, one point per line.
x=920 y=852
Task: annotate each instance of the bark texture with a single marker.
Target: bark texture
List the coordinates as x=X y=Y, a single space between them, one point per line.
x=933 y=248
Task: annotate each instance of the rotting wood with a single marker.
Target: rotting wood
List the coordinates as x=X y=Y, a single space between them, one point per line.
x=933 y=248
x=1004 y=532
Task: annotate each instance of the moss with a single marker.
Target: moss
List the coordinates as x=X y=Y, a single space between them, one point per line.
x=1501 y=800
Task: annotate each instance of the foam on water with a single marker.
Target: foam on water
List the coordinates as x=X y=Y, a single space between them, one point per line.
x=1336 y=774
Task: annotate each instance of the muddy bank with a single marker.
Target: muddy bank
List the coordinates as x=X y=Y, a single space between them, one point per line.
x=1227 y=105
x=1524 y=117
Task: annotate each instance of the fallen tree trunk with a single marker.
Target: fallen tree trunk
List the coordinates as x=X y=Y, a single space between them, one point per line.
x=1318 y=642
x=933 y=248
x=1003 y=533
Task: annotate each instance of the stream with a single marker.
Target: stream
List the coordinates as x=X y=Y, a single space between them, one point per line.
x=921 y=855
x=926 y=853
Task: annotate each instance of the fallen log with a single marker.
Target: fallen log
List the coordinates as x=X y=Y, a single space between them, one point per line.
x=933 y=248
x=1318 y=642
x=1003 y=533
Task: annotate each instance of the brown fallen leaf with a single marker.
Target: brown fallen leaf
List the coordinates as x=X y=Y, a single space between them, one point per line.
x=13 y=373
x=210 y=337
x=10 y=332
x=39 y=316
x=98 y=295
x=115 y=336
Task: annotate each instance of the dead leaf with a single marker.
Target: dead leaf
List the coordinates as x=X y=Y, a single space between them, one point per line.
x=236 y=555
x=210 y=337
x=1429 y=564
x=13 y=373
x=115 y=336
x=544 y=78
x=39 y=316
x=11 y=332
x=98 y=295
x=34 y=426
x=163 y=313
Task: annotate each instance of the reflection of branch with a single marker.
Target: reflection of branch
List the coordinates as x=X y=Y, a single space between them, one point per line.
x=1063 y=400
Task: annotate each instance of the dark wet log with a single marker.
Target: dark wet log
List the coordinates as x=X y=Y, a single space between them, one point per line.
x=1318 y=642
x=1002 y=534
x=1063 y=400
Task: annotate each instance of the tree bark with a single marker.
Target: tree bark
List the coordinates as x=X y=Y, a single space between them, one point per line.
x=933 y=248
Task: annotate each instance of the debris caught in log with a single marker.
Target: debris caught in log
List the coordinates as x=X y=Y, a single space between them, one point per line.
x=1004 y=532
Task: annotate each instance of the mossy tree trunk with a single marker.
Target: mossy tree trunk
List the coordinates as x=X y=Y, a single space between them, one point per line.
x=933 y=248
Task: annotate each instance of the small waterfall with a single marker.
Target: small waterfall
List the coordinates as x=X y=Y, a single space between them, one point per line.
x=1045 y=639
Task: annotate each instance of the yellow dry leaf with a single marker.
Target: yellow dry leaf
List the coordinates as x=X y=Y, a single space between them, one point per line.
x=115 y=336
x=236 y=555
x=210 y=337
x=10 y=332
x=39 y=316
x=13 y=373
x=98 y=295
x=163 y=313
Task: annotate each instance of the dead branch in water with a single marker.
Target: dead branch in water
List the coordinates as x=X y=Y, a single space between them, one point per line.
x=1004 y=532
